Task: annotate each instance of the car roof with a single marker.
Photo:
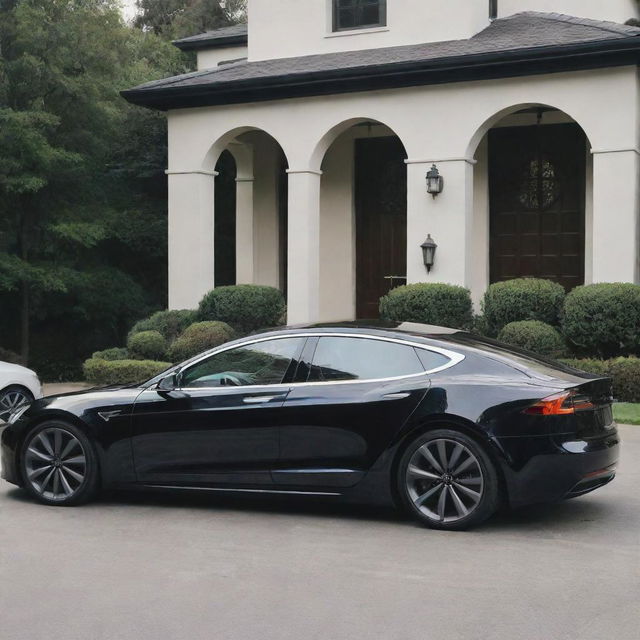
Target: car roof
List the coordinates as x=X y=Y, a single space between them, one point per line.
x=373 y=327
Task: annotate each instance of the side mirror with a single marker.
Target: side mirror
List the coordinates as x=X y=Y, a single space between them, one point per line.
x=169 y=383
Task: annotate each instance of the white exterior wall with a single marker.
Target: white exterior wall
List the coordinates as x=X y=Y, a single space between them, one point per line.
x=210 y=58
x=306 y=128
x=287 y=28
x=613 y=10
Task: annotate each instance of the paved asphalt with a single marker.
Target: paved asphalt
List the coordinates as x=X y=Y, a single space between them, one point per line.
x=135 y=566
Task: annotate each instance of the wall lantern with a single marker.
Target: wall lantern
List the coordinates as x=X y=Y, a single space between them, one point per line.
x=435 y=182
x=429 y=252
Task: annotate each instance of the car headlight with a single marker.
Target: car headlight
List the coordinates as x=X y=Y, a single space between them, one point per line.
x=15 y=416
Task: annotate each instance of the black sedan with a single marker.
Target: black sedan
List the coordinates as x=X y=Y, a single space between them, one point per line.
x=448 y=425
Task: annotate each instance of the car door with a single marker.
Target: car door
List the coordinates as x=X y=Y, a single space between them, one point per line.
x=356 y=395
x=220 y=425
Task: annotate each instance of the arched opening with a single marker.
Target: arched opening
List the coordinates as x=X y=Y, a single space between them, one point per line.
x=363 y=218
x=532 y=198
x=250 y=209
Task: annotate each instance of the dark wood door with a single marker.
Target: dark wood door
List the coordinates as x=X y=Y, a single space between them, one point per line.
x=537 y=194
x=381 y=221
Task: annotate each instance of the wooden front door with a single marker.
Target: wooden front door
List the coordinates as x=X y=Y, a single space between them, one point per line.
x=381 y=221
x=537 y=195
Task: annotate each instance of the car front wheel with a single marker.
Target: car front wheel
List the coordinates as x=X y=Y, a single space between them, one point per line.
x=447 y=481
x=11 y=398
x=59 y=464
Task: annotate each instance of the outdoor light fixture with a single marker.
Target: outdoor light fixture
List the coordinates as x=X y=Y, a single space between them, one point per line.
x=435 y=182
x=429 y=252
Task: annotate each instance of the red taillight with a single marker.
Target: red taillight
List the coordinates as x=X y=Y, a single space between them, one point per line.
x=560 y=404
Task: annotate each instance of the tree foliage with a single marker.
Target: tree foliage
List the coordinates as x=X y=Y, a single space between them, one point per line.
x=82 y=185
x=179 y=18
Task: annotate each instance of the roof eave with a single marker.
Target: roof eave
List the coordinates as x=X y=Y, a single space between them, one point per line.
x=513 y=63
x=211 y=43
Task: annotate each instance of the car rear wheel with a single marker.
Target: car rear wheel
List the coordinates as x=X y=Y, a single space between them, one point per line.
x=11 y=398
x=59 y=464
x=447 y=481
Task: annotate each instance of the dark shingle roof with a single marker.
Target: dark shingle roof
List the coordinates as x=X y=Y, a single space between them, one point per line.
x=224 y=37
x=539 y=42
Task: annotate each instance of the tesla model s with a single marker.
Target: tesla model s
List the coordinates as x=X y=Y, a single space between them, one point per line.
x=447 y=425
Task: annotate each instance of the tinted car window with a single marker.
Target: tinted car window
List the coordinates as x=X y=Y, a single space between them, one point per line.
x=431 y=360
x=362 y=359
x=255 y=364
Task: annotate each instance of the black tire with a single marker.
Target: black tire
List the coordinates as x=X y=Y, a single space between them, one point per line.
x=8 y=397
x=422 y=479
x=51 y=473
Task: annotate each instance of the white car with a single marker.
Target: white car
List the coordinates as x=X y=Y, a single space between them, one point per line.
x=17 y=385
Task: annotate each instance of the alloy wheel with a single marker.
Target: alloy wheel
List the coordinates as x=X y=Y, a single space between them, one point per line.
x=444 y=480
x=10 y=400
x=55 y=464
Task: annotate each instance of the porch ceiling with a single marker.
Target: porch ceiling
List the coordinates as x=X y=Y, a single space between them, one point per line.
x=524 y=44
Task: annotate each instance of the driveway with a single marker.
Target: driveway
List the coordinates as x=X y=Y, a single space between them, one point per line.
x=200 y=567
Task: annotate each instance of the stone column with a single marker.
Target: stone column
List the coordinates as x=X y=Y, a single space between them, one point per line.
x=304 y=246
x=615 y=215
x=448 y=218
x=191 y=237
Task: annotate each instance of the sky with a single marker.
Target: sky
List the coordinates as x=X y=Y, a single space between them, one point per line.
x=128 y=8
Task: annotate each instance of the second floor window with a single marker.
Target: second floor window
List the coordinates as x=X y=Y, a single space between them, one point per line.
x=359 y=14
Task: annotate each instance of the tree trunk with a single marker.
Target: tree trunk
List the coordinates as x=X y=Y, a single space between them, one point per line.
x=24 y=310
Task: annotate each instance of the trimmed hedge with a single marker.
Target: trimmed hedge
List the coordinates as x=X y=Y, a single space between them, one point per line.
x=108 y=372
x=246 y=307
x=625 y=373
x=522 y=299
x=535 y=336
x=115 y=353
x=603 y=319
x=169 y=323
x=198 y=338
x=147 y=345
x=438 y=304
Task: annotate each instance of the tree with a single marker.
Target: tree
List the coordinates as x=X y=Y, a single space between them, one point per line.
x=179 y=18
x=82 y=211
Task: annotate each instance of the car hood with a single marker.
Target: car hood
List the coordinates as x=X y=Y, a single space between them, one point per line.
x=77 y=402
x=16 y=369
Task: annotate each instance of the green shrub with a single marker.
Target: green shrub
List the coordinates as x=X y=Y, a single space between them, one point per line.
x=246 y=307
x=115 y=353
x=147 y=345
x=198 y=338
x=438 y=304
x=625 y=373
x=603 y=319
x=169 y=323
x=108 y=372
x=535 y=336
x=522 y=299
x=626 y=379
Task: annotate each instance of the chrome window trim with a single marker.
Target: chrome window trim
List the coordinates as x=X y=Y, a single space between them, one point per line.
x=454 y=359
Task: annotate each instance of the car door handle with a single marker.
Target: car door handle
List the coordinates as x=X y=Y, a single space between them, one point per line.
x=261 y=399
x=396 y=396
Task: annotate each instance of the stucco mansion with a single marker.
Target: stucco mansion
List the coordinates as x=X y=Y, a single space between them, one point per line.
x=299 y=150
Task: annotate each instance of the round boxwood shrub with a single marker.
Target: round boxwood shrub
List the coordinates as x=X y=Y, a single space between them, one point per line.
x=445 y=305
x=198 y=338
x=108 y=372
x=535 y=336
x=626 y=379
x=246 y=307
x=169 y=323
x=522 y=299
x=115 y=353
x=603 y=319
x=589 y=365
x=147 y=345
